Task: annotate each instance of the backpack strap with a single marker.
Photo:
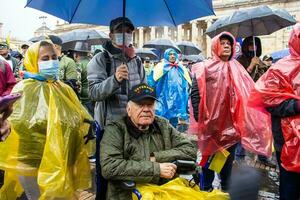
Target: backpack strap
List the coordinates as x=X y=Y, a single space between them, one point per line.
x=108 y=64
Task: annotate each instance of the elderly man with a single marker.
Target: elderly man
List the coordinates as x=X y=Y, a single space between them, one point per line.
x=221 y=118
x=141 y=146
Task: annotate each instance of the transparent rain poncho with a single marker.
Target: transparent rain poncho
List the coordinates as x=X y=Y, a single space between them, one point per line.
x=224 y=117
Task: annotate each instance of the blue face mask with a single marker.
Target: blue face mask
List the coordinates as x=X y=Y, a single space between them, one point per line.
x=49 y=69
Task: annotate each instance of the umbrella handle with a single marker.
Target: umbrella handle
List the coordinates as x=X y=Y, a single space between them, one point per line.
x=254 y=46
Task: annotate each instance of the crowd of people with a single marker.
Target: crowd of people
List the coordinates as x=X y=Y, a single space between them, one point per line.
x=233 y=104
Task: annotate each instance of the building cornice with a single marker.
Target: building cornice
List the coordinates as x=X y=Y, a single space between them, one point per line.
x=247 y=3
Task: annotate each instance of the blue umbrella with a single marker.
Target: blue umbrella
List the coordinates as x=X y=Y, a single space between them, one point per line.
x=188 y=48
x=280 y=54
x=141 y=13
x=161 y=45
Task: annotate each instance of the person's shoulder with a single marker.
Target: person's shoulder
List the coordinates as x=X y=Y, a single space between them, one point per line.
x=116 y=124
x=67 y=59
x=161 y=121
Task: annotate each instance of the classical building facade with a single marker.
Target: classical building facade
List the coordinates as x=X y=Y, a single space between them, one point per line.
x=195 y=30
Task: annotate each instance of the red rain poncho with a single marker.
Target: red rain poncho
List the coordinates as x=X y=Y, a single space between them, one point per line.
x=282 y=82
x=224 y=118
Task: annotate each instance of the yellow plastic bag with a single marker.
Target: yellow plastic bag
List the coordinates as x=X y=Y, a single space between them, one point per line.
x=177 y=189
x=11 y=188
x=47 y=139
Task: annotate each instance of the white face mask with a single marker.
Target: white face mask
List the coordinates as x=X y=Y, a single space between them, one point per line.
x=118 y=39
x=49 y=69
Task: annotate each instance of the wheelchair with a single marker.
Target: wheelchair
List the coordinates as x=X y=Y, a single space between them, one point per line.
x=183 y=166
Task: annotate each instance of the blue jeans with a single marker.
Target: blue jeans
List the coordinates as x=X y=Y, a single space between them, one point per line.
x=289 y=182
x=239 y=151
x=225 y=174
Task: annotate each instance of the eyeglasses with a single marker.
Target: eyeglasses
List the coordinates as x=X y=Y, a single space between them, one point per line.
x=3 y=47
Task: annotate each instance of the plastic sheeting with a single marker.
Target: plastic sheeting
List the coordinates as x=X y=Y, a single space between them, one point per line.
x=47 y=139
x=282 y=82
x=177 y=189
x=172 y=83
x=224 y=117
x=11 y=188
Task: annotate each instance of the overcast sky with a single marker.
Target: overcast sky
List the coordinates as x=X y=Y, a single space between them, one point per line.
x=22 y=22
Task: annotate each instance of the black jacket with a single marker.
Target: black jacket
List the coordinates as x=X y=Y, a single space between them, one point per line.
x=195 y=98
x=287 y=108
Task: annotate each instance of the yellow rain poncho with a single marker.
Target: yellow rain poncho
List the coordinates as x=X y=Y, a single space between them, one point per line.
x=47 y=135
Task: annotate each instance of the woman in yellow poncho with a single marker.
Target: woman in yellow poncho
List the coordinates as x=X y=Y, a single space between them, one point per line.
x=46 y=148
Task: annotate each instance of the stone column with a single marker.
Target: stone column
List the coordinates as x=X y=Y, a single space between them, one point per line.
x=179 y=33
x=194 y=32
x=141 y=37
x=208 y=39
x=166 y=32
x=152 y=33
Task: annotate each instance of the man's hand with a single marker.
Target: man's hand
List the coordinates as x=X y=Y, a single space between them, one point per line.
x=254 y=62
x=167 y=170
x=121 y=73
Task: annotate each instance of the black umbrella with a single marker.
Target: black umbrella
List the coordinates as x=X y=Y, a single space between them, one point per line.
x=161 y=45
x=91 y=36
x=262 y=20
x=146 y=52
x=188 y=48
x=193 y=58
x=38 y=38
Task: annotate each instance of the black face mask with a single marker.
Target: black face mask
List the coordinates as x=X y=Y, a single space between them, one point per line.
x=250 y=54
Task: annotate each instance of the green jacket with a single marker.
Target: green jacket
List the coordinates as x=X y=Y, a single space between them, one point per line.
x=67 y=69
x=125 y=154
x=82 y=70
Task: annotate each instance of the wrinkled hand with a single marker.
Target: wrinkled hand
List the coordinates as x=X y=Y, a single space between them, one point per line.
x=167 y=170
x=4 y=130
x=121 y=73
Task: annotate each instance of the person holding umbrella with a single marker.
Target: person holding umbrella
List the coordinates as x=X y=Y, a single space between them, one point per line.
x=219 y=113
x=278 y=91
x=111 y=73
x=250 y=57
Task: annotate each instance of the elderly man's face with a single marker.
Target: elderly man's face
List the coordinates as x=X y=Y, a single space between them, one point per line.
x=141 y=114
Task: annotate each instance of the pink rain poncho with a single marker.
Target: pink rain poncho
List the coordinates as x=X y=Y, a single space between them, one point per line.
x=279 y=83
x=224 y=117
